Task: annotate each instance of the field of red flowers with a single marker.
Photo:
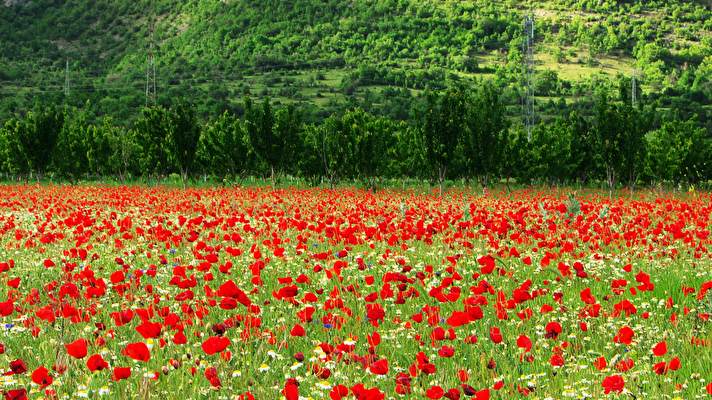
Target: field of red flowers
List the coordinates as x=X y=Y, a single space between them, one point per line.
x=243 y=293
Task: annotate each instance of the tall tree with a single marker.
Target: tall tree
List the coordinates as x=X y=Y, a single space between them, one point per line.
x=152 y=130
x=13 y=156
x=609 y=136
x=443 y=124
x=222 y=149
x=484 y=139
x=70 y=156
x=38 y=136
x=125 y=155
x=184 y=134
x=264 y=141
x=374 y=144
x=336 y=146
x=679 y=151
x=287 y=127
x=584 y=148
x=549 y=152
x=98 y=149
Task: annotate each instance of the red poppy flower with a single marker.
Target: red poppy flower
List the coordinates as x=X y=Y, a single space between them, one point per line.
x=6 y=308
x=587 y=297
x=15 y=394
x=138 y=351
x=230 y=289
x=613 y=383
x=660 y=368
x=452 y=394
x=446 y=351
x=291 y=390
x=556 y=360
x=487 y=264
x=120 y=373
x=96 y=363
x=339 y=392
x=458 y=318
x=600 y=363
x=523 y=342
x=77 y=349
x=149 y=330
x=17 y=367
x=179 y=338
x=625 y=365
x=553 y=329
x=435 y=392
x=495 y=335
x=297 y=330
x=215 y=344
x=211 y=374
x=624 y=336
x=41 y=377
x=379 y=367
x=660 y=349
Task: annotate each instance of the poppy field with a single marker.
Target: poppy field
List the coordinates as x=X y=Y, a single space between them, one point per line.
x=241 y=293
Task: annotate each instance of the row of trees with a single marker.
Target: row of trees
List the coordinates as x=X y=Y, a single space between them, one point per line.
x=456 y=133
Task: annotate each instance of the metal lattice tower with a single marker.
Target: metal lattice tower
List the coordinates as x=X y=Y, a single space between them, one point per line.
x=634 y=91
x=151 y=68
x=66 y=81
x=528 y=97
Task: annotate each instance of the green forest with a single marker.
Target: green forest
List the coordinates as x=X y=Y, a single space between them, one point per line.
x=364 y=89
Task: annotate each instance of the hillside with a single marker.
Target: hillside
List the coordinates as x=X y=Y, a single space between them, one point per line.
x=330 y=54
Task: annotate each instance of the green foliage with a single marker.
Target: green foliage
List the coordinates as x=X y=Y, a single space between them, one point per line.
x=266 y=143
x=334 y=55
x=287 y=131
x=152 y=130
x=443 y=124
x=679 y=151
x=485 y=132
x=38 y=136
x=222 y=147
x=14 y=158
x=455 y=133
x=336 y=143
x=184 y=134
x=71 y=155
x=550 y=152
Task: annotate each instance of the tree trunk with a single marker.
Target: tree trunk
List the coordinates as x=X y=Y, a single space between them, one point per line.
x=611 y=178
x=442 y=171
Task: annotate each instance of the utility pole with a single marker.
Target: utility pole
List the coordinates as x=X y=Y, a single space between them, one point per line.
x=66 y=81
x=528 y=53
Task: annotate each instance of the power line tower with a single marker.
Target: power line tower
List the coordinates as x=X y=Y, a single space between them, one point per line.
x=634 y=90
x=151 y=67
x=528 y=97
x=66 y=81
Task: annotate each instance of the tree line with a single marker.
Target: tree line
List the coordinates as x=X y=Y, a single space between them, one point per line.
x=456 y=133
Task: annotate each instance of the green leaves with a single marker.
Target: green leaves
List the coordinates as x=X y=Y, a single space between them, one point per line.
x=679 y=151
x=184 y=134
x=38 y=136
